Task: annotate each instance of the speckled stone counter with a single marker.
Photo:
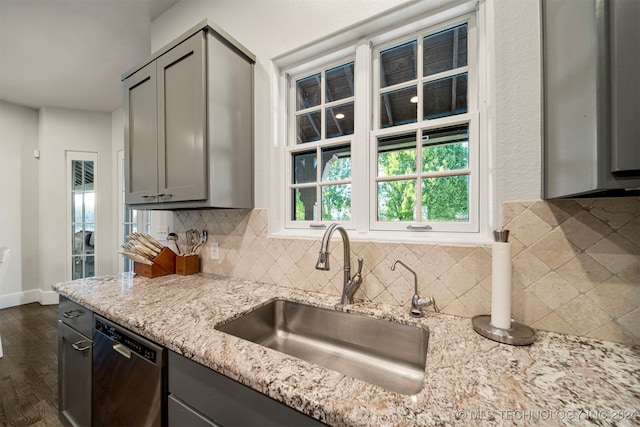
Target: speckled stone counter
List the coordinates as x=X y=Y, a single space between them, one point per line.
x=469 y=379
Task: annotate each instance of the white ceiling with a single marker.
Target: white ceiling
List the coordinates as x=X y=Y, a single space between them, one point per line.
x=71 y=53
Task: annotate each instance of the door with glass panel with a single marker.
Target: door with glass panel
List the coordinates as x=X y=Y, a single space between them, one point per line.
x=82 y=239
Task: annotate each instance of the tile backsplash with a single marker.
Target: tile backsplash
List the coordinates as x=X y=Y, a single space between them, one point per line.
x=576 y=264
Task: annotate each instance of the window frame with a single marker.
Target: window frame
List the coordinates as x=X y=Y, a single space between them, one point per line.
x=471 y=117
x=70 y=157
x=291 y=147
x=404 y=23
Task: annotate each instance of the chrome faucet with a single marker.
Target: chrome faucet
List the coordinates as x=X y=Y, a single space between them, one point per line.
x=350 y=284
x=417 y=303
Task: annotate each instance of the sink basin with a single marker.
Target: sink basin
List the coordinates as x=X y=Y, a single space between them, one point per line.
x=380 y=352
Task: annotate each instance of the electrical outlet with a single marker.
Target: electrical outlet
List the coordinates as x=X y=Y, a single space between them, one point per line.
x=214 y=250
x=162 y=233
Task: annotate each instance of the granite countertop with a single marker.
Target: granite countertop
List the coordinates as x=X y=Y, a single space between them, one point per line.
x=469 y=379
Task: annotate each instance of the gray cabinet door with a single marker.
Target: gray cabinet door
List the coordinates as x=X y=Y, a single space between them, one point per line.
x=74 y=376
x=141 y=136
x=182 y=159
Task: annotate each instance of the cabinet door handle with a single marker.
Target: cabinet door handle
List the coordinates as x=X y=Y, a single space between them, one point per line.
x=72 y=314
x=164 y=195
x=80 y=347
x=146 y=196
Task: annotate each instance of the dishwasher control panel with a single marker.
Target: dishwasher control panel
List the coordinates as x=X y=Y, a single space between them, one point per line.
x=121 y=337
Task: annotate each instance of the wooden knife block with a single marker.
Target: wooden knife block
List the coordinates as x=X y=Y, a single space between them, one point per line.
x=187 y=264
x=164 y=263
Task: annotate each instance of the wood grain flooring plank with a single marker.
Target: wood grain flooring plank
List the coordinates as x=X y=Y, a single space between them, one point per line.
x=29 y=368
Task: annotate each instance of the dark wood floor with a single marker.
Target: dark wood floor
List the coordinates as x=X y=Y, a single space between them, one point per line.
x=29 y=367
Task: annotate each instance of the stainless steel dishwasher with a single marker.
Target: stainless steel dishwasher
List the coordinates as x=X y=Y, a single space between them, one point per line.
x=129 y=378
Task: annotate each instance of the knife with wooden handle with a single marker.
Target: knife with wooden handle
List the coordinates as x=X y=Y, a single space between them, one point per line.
x=136 y=258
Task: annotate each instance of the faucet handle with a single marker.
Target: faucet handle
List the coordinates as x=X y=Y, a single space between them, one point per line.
x=360 y=264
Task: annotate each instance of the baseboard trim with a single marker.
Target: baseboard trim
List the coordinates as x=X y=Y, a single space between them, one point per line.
x=27 y=297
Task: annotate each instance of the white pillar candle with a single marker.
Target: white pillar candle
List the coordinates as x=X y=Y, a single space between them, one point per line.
x=501 y=285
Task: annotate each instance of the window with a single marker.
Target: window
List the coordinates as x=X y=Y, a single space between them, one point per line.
x=81 y=209
x=383 y=135
x=320 y=158
x=130 y=220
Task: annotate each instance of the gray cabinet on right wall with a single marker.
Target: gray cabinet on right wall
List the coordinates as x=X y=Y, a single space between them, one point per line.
x=591 y=90
x=189 y=124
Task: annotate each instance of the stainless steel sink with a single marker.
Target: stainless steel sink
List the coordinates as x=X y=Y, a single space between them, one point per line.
x=380 y=352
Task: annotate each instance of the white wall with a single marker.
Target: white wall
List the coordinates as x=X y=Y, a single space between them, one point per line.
x=62 y=130
x=270 y=28
x=19 y=202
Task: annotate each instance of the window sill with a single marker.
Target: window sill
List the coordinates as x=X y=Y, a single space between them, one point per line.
x=426 y=237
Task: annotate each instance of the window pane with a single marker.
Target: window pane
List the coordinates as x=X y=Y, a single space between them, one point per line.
x=76 y=207
x=89 y=239
x=308 y=92
x=398 y=107
x=445 y=149
x=308 y=127
x=77 y=243
x=304 y=204
x=336 y=163
x=397 y=200
x=445 y=50
x=76 y=175
x=398 y=64
x=445 y=198
x=339 y=82
x=89 y=206
x=88 y=175
x=89 y=267
x=336 y=202
x=397 y=155
x=77 y=267
x=339 y=120
x=304 y=167
x=445 y=97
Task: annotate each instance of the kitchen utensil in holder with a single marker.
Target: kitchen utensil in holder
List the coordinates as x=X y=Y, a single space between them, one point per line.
x=164 y=263
x=499 y=326
x=187 y=264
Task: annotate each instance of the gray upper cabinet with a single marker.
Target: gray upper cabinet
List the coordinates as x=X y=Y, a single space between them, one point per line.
x=189 y=125
x=591 y=90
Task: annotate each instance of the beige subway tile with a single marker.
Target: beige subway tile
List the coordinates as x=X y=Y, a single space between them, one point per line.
x=456 y=308
x=583 y=272
x=584 y=230
x=614 y=332
x=616 y=211
x=528 y=228
x=631 y=322
x=510 y=210
x=458 y=252
x=614 y=252
x=615 y=296
x=528 y=308
x=554 y=323
x=438 y=261
x=528 y=269
x=632 y=231
x=554 y=249
x=401 y=290
x=631 y=274
x=477 y=301
x=555 y=212
x=477 y=263
x=584 y=316
x=554 y=291
x=458 y=281
x=436 y=289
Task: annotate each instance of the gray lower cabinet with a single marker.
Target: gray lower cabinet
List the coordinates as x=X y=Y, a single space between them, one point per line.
x=189 y=125
x=199 y=396
x=74 y=363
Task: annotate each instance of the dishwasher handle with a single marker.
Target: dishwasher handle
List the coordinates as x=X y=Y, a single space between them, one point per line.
x=121 y=348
